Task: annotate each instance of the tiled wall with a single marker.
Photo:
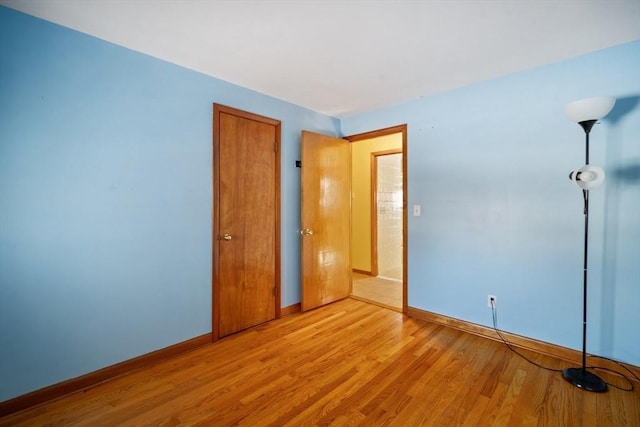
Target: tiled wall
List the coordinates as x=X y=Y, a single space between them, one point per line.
x=389 y=200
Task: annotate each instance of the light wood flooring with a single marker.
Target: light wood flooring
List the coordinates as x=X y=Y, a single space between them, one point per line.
x=349 y=363
x=384 y=292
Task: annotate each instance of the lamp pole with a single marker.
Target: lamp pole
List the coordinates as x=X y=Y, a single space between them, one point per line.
x=581 y=377
x=586 y=125
x=585 y=194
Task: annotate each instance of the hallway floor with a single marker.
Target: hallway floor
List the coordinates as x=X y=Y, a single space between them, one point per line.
x=384 y=292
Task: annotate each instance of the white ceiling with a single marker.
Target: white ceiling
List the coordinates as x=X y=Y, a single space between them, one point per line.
x=346 y=57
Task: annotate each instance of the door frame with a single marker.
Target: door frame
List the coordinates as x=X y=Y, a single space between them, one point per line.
x=215 y=291
x=402 y=129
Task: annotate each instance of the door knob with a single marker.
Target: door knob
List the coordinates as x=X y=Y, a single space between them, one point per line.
x=225 y=237
x=306 y=232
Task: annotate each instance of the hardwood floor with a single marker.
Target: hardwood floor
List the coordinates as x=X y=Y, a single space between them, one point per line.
x=349 y=363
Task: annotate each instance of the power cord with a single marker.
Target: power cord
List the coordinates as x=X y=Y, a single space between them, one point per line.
x=613 y=371
x=494 y=313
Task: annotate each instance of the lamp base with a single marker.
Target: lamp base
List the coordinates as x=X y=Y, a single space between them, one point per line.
x=585 y=380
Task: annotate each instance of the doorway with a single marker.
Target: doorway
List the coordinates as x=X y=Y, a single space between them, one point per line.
x=379 y=237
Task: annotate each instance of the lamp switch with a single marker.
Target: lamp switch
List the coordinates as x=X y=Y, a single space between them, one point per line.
x=416 y=210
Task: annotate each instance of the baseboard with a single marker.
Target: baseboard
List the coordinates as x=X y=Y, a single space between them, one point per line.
x=570 y=355
x=294 y=308
x=92 y=379
x=379 y=304
x=368 y=273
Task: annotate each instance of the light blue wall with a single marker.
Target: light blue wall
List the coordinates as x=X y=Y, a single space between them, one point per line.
x=489 y=164
x=105 y=201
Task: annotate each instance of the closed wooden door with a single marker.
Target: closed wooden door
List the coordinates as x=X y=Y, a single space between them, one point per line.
x=326 y=219
x=246 y=231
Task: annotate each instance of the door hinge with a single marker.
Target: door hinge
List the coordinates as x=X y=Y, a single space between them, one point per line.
x=275 y=147
x=275 y=292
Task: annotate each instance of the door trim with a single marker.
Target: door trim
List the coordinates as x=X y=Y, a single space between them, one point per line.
x=215 y=286
x=402 y=129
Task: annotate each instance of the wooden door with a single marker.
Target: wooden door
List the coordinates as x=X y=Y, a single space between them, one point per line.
x=326 y=219
x=246 y=229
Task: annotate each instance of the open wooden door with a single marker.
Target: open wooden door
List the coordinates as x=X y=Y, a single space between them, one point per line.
x=326 y=219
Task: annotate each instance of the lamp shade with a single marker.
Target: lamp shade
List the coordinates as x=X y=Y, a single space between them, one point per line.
x=589 y=109
x=588 y=177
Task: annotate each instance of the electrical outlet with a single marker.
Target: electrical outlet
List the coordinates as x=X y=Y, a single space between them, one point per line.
x=490 y=299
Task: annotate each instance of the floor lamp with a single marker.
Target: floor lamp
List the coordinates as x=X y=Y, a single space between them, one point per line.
x=586 y=113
